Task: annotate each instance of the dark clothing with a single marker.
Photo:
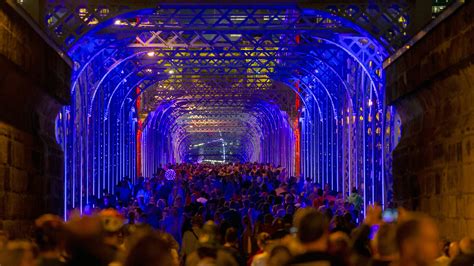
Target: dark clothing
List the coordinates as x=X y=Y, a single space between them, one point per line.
x=50 y=262
x=462 y=260
x=235 y=254
x=380 y=263
x=279 y=234
x=362 y=241
x=124 y=193
x=322 y=258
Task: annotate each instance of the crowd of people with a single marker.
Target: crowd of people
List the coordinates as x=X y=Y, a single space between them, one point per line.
x=232 y=214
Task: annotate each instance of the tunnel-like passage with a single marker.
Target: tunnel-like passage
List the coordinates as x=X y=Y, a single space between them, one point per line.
x=288 y=85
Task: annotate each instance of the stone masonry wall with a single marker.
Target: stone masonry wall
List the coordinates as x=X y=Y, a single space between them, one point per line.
x=432 y=87
x=34 y=82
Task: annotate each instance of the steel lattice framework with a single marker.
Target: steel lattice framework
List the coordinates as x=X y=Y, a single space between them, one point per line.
x=300 y=86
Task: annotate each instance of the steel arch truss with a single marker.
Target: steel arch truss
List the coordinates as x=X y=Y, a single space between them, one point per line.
x=287 y=85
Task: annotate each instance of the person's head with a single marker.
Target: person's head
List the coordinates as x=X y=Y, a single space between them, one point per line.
x=262 y=240
x=417 y=240
x=453 y=249
x=279 y=255
x=112 y=223
x=161 y=204
x=231 y=236
x=444 y=247
x=466 y=245
x=173 y=244
x=339 y=243
x=85 y=241
x=150 y=250
x=196 y=221
x=313 y=230
x=385 y=245
x=268 y=219
x=48 y=233
x=327 y=187
x=209 y=236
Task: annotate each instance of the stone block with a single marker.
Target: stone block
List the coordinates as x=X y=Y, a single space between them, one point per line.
x=18 y=228
x=468 y=207
x=4 y=150
x=451 y=227
x=14 y=205
x=2 y=205
x=453 y=178
x=470 y=227
x=435 y=206
x=462 y=225
x=18 y=180
x=469 y=148
x=460 y=203
x=18 y=155
x=467 y=178
x=451 y=206
x=4 y=178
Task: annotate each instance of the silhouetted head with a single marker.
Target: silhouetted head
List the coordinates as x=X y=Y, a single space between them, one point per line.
x=417 y=240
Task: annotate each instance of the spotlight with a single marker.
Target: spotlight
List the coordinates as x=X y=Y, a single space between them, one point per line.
x=151 y=53
x=118 y=22
x=171 y=71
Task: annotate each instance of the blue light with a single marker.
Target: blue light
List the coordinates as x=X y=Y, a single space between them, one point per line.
x=338 y=75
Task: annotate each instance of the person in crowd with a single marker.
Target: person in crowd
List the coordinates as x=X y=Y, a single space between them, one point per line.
x=191 y=237
x=231 y=245
x=453 y=250
x=48 y=236
x=356 y=200
x=85 y=243
x=313 y=233
x=279 y=255
x=209 y=251
x=151 y=250
x=385 y=248
x=417 y=240
x=339 y=245
x=466 y=253
x=261 y=258
x=248 y=244
x=112 y=224
x=252 y=210
x=443 y=259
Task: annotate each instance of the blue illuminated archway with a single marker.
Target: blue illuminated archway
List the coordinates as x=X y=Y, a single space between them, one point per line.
x=302 y=88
